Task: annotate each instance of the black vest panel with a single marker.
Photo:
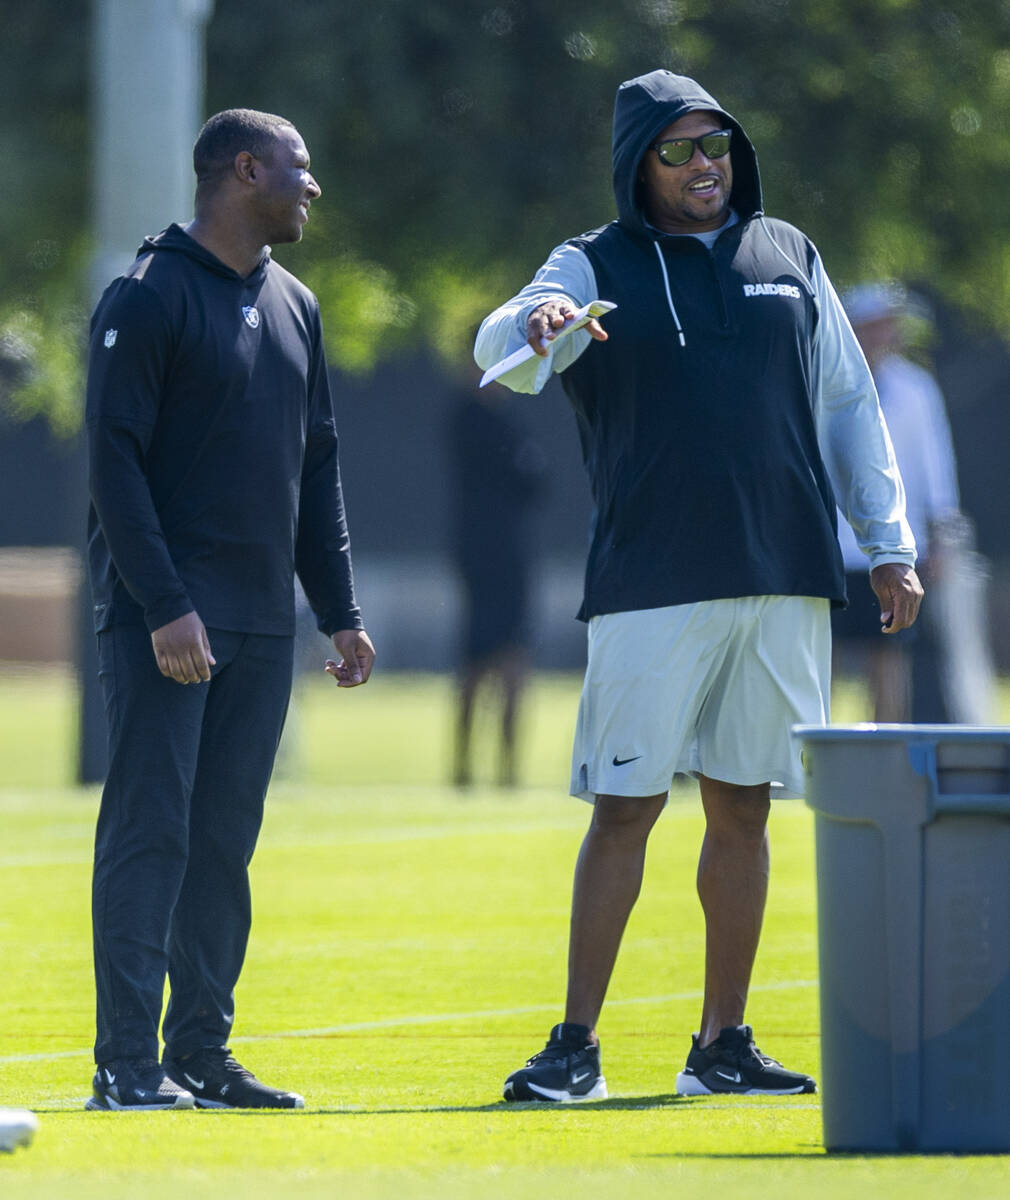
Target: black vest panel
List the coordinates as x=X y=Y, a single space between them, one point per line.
x=703 y=457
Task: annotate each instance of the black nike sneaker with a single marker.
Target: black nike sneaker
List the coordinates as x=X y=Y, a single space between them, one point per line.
x=732 y=1063
x=566 y=1070
x=218 y=1081
x=135 y=1085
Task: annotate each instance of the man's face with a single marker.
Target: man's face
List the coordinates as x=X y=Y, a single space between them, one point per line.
x=693 y=198
x=879 y=338
x=286 y=188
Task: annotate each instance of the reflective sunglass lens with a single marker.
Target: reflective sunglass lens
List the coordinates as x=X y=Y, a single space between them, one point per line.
x=715 y=146
x=679 y=151
x=676 y=153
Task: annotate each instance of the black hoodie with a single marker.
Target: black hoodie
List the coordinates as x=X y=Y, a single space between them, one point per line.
x=213 y=448
x=696 y=415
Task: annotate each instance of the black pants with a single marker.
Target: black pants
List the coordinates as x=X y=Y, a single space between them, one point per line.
x=180 y=814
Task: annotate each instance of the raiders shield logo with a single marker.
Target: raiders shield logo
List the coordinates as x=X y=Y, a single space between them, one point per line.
x=252 y=317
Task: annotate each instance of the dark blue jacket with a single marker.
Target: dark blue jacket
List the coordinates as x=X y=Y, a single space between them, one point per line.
x=213 y=450
x=696 y=415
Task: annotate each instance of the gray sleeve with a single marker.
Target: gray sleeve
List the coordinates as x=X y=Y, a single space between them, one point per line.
x=852 y=434
x=567 y=274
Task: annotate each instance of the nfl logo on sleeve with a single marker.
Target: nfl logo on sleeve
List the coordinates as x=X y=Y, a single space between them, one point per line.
x=110 y=338
x=251 y=314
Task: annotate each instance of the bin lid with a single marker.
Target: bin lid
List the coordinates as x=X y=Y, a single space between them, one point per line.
x=907 y=773
x=905 y=733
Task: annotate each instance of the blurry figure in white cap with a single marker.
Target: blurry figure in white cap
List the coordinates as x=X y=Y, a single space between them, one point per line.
x=914 y=675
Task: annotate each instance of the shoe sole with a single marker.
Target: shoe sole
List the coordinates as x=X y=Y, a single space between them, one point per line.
x=691 y=1085
x=108 y=1105
x=549 y=1095
x=201 y=1103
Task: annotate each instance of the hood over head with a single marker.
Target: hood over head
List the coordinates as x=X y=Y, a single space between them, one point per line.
x=177 y=240
x=643 y=108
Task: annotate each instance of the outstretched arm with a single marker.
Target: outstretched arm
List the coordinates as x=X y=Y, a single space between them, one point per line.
x=566 y=279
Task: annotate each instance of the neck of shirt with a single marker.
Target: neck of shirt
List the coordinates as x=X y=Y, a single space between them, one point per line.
x=708 y=238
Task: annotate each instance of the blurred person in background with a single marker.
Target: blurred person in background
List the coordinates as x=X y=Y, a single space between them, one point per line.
x=721 y=412
x=910 y=674
x=497 y=476
x=214 y=478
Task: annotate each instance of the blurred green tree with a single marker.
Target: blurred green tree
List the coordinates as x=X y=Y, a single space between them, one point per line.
x=43 y=209
x=457 y=142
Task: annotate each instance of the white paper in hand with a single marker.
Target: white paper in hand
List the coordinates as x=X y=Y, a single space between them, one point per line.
x=595 y=308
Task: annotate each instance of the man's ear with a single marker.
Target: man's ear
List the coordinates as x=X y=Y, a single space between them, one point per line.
x=245 y=167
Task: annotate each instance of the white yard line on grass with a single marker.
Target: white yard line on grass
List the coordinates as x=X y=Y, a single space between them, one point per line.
x=288 y=842
x=429 y=1019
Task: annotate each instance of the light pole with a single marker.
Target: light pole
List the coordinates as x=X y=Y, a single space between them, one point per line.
x=147 y=84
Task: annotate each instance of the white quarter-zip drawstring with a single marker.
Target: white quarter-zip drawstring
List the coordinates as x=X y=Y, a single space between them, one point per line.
x=669 y=298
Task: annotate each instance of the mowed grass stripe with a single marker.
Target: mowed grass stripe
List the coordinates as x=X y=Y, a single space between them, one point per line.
x=430 y=1019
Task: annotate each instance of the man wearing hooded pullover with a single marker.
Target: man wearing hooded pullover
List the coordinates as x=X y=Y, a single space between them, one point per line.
x=214 y=478
x=720 y=413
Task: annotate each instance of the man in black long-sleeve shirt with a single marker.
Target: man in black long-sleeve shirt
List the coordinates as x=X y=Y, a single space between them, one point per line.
x=214 y=478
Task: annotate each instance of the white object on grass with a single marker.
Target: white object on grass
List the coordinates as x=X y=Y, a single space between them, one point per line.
x=17 y=1128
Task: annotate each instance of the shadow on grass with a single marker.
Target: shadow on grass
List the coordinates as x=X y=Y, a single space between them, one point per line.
x=807 y=1151
x=614 y=1104
x=810 y=1150
x=669 y=1100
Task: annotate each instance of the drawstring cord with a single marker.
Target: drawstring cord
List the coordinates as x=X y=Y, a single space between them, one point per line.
x=669 y=298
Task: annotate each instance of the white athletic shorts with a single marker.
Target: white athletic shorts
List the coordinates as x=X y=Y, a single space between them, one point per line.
x=710 y=688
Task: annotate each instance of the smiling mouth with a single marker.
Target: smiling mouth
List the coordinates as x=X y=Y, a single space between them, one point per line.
x=704 y=187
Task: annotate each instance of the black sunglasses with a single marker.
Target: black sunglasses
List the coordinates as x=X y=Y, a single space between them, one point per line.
x=678 y=151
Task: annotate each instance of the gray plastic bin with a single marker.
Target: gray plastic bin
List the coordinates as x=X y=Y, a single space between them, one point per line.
x=913 y=887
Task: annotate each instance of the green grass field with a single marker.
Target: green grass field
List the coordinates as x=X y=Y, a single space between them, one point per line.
x=408 y=952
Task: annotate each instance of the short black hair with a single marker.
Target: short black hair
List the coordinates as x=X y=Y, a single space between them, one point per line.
x=229 y=133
